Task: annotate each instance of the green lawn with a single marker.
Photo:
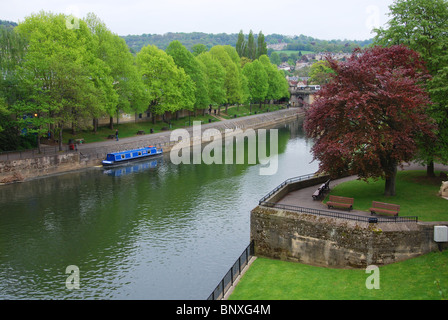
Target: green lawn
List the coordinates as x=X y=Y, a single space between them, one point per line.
x=244 y=110
x=130 y=129
x=415 y=193
x=422 y=278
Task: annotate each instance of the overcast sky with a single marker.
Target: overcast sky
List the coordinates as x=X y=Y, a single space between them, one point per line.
x=322 y=19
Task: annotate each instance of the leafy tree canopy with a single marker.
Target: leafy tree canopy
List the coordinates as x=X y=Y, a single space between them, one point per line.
x=368 y=119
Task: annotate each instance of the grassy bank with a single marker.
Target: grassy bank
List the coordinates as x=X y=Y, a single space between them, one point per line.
x=415 y=193
x=130 y=129
x=422 y=278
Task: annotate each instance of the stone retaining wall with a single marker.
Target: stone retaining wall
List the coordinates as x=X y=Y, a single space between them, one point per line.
x=337 y=243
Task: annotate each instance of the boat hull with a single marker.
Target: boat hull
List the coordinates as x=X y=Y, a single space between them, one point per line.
x=126 y=157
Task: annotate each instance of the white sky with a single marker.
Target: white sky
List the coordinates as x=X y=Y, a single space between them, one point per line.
x=322 y=19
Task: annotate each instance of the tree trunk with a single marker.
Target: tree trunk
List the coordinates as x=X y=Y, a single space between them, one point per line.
x=95 y=125
x=391 y=176
x=111 y=123
x=60 y=137
x=38 y=143
x=430 y=169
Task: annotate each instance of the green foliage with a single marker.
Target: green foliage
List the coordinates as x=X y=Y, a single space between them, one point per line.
x=421 y=25
x=186 y=60
x=215 y=76
x=278 y=85
x=320 y=72
x=60 y=71
x=421 y=278
x=258 y=80
x=170 y=88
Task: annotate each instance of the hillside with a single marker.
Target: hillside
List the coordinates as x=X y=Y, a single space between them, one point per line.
x=292 y=43
x=296 y=43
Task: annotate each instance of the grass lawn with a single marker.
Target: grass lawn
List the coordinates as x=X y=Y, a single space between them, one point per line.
x=422 y=278
x=130 y=129
x=244 y=110
x=415 y=193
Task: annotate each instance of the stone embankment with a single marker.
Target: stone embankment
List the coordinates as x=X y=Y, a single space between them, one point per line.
x=28 y=165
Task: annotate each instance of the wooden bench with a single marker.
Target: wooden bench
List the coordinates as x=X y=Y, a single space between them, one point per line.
x=384 y=208
x=340 y=202
x=321 y=190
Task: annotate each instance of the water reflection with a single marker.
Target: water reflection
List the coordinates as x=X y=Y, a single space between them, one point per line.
x=131 y=168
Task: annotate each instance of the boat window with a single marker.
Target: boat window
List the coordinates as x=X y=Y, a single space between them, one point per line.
x=122 y=156
x=139 y=153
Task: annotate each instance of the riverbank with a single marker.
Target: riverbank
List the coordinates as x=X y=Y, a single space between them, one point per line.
x=29 y=165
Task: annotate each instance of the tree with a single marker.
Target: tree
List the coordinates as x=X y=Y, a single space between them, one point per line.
x=241 y=44
x=12 y=52
x=215 y=76
x=261 y=47
x=257 y=79
x=64 y=80
x=128 y=94
x=199 y=48
x=368 y=119
x=278 y=85
x=421 y=25
x=232 y=84
x=320 y=73
x=251 y=49
x=170 y=89
x=185 y=60
x=275 y=58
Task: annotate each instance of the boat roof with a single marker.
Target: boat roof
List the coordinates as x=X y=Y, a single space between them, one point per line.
x=130 y=151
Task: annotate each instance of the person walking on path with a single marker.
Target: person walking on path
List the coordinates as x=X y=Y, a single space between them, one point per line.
x=116 y=134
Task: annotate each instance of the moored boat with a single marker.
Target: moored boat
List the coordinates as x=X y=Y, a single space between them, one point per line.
x=118 y=158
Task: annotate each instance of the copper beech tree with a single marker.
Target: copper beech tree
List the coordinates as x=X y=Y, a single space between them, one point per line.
x=367 y=120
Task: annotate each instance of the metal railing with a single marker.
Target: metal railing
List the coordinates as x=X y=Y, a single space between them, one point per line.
x=286 y=182
x=227 y=281
x=340 y=215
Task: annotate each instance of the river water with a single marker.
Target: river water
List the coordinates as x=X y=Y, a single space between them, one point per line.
x=152 y=230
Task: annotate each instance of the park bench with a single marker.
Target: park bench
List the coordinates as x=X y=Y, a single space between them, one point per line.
x=384 y=208
x=321 y=190
x=340 y=202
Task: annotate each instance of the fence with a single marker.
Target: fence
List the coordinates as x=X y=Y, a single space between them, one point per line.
x=227 y=281
x=340 y=215
x=286 y=182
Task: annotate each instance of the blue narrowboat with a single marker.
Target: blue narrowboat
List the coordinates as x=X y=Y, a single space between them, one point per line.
x=118 y=158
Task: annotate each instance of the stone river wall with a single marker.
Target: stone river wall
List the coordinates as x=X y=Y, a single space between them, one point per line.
x=27 y=165
x=338 y=243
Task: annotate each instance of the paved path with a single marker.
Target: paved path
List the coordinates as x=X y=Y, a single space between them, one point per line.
x=303 y=197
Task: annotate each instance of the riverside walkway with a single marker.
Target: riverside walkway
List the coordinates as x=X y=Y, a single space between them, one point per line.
x=160 y=139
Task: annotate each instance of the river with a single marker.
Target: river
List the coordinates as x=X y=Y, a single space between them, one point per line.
x=153 y=230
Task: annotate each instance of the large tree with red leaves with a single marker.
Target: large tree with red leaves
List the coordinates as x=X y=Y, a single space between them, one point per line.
x=367 y=119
